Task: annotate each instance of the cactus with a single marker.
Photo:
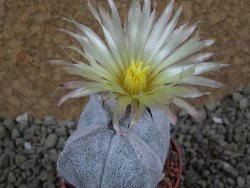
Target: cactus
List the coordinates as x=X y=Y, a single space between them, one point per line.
x=95 y=156
x=146 y=64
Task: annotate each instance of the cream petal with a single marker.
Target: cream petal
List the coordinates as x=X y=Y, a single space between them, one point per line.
x=113 y=33
x=201 y=81
x=86 y=69
x=74 y=84
x=181 y=91
x=190 y=47
x=114 y=49
x=171 y=116
x=160 y=32
x=96 y=67
x=80 y=38
x=154 y=99
x=178 y=37
x=194 y=59
x=190 y=109
x=207 y=66
x=98 y=49
x=89 y=49
x=80 y=93
x=132 y=29
x=118 y=36
x=172 y=76
x=145 y=25
x=199 y=67
x=116 y=20
x=88 y=72
x=94 y=11
x=106 y=20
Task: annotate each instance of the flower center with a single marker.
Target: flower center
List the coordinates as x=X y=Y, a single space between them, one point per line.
x=135 y=78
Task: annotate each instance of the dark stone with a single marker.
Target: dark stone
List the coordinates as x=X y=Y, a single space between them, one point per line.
x=28 y=164
x=202 y=183
x=29 y=133
x=9 y=124
x=237 y=96
x=244 y=103
x=49 y=120
x=242 y=168
x=230 y=171
x=3 y=132
x=191 y=178
x=240 y=181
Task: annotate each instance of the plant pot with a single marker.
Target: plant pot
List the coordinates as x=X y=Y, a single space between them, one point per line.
x=164 y=183
x=172 y=167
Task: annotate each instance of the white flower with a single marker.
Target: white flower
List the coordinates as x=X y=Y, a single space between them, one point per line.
x=147 y=63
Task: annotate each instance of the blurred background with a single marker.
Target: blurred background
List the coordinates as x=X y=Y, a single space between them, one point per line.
x=28 y=39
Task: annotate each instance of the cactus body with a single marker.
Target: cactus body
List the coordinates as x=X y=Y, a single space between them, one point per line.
x=94 y=156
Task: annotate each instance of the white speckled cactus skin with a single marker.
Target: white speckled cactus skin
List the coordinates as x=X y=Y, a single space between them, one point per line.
x=94 y=156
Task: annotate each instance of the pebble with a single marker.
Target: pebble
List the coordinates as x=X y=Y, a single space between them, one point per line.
x=43 y=175
x=51 y=140
x=15 y=134
x=49 y=120
x=11 y=177
x=247 y=115
x=202 y=183
x=4 y=160
x=19 y=159
x=2 y=132
x=191 y=178
x=230 y=170
x=240 y=181
x=242 y=168
x=199 y=164
x=29 y=133
x=71 y=124
x=61 y=131
x=27 y=145
x=28 y=164
x=23 y=126
x=53 y=155
x=23 y=119
x=237 y=96
x=217 y=120
x=60 y=143
x=243 y=103
x=9 y=124
x=38 y=122
x=211 y=106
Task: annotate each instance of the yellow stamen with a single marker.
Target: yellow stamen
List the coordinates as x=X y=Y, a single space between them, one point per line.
x=135 y=78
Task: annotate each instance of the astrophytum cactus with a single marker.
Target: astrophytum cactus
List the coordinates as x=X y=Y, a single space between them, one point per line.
x=143 y=65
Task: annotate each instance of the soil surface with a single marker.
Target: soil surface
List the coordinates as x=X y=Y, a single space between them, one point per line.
x=28 y=39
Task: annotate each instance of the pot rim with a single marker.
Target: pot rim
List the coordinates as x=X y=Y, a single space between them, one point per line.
x=178 y=151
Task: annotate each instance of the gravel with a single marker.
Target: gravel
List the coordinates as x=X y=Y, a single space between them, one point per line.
x=29 y=149
x=216 y=152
